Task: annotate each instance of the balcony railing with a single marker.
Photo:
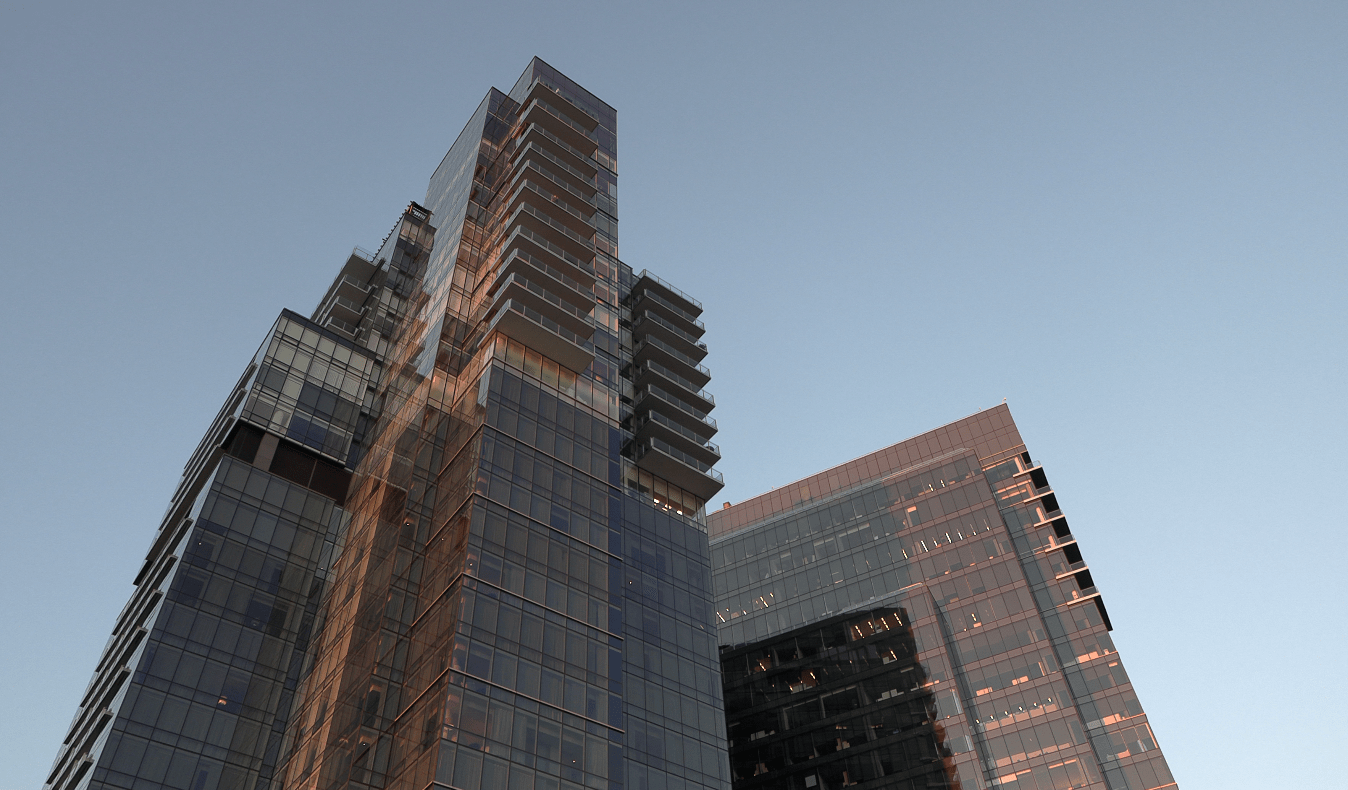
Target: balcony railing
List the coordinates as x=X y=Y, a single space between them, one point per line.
x=673 y=308
x=542 y=131
x=648 y=275
x=657 y=417
x=517 y=281
x=580 y=293
x=693 y=389
x=552 y=178
x=562 y=117
x=673 y=353
x=652 y=391
x=525 y=208
x=641 y=326
x=554 y=249
x=529 y=149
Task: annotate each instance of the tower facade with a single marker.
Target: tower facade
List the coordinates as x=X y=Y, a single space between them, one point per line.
x=922 y=617
x=504 y=575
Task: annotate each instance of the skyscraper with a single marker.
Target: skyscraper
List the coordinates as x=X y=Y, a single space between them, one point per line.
x=922 y=617
x=450 y=527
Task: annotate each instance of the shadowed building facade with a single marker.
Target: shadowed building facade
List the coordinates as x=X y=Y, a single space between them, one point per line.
x=922 y=617
x=449 y=529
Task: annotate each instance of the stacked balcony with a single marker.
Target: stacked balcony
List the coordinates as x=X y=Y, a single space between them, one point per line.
x=345 y=304
x=540 y=291
x=671 y=424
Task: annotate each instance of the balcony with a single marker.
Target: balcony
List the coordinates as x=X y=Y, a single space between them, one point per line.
x=538 y=221
x=540 y=333
x=1072 y=570
x=653 y=372
x=516 y=286
x=653 y=398
x=679 y=468
x=348 y=330
x=550 y=277
x=534 y=171
x=537 y=134
x=523 y=240
x=647 y=299
x=649 y=324
x=654 y=424
x=669 y=292
x=652 y=348
x=560 y=171
x=555 y=204
x=342 y=308
x=544 y=92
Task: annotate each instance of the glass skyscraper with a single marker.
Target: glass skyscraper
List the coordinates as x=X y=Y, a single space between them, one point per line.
x=922 y=617
x=450 y=529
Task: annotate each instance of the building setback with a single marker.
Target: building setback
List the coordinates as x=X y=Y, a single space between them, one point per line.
x=450 y=528
x=922 y=617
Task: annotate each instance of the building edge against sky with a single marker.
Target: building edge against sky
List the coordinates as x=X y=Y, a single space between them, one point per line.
x=451 y=527
x=922 y=616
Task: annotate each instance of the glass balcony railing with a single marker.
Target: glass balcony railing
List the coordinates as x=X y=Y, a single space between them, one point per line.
x=543 y=243
x=551 y=178
x=668 y=327
x=562 y=117
x=646 y=274
x=685 y=458
x=529 y=149
x=539 y=215
x=663 y=347
x=547 y=195
x=652 y=391
x=585 y=294
x=544 y=294
x=665 y=422
x=540 y=130
x=661 y=370
x=668 y=305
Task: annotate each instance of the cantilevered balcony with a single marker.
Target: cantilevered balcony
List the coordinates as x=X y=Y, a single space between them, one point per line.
x=559 y=170
x=540 y=136
x=652 y=372
x=518 y=321
x=649 y=324
x=516 y=286
x=654 y=424
x=550 y=277
x=669 y=292
x=541 y=223
x=533 y=244
x=683 y=470
x=649 y=299
x=545 y=92
x=576 y=217
x=548 y=107
x=653 y=348
x=533 y=171
x=345 y=329
x=654 y=398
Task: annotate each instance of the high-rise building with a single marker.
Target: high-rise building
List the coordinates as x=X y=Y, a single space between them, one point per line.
x=451 y=527
x=922 y=617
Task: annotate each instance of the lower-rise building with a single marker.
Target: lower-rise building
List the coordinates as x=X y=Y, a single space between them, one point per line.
x=922 y=617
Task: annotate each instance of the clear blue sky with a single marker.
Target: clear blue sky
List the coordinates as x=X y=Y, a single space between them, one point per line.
x=1128 y=219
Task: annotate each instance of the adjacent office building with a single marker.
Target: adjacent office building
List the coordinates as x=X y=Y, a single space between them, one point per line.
x=450 y=527
x=922 y=617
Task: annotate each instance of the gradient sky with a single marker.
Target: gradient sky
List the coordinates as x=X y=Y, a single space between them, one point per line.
x=1127 y=219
